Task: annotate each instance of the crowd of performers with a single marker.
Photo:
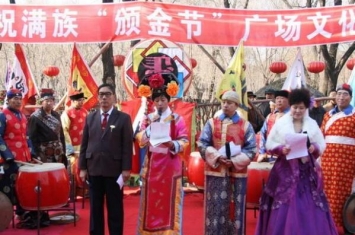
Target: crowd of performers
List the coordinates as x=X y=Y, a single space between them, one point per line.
x=304 y=195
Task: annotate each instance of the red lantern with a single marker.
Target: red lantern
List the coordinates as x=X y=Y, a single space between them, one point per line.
x=193 y=62
x=278 y=67
x=118 y=60
x=350 y=64
x=316 y=67
x=51 y=71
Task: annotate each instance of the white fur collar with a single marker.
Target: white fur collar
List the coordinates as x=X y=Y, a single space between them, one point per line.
x=284 y=125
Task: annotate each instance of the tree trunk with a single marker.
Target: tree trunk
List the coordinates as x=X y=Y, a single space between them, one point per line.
x=107 y=62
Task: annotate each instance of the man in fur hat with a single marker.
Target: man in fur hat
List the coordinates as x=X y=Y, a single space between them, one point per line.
x=73 y=120
x=338 y=159
x=226 y=172
x=46 y=132
x=282 y=107
x=14 y=144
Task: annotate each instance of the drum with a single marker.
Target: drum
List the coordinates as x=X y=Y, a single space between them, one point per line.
x=258 y=174
x=196 y=170
x=53 y=182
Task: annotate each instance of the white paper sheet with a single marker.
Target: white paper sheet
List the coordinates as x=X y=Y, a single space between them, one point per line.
x=298 y=145
x=235 y=149
x=120 y=181
x=159 y=133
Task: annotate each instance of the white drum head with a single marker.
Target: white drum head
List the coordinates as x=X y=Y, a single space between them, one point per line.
x=42 y=167
x=260 y=165
x=195 y=154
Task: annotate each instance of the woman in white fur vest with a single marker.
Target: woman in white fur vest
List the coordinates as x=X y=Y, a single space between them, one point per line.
x=293 y=201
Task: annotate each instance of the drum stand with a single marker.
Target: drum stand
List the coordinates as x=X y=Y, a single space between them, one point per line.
x=73 y=208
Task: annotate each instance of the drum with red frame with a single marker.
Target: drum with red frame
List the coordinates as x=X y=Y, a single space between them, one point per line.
x=258 y=173
x=47 y=183
x=196 y=170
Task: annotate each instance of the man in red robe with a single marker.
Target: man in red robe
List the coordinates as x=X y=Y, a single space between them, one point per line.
x=14 y=145
x=73 y=121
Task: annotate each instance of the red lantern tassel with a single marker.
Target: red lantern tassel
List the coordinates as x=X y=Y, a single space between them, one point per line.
x=232 y=210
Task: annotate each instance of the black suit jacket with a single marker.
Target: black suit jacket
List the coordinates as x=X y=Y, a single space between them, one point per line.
x=107 y=153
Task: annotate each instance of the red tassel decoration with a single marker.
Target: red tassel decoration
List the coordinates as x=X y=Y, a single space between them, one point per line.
x=232 y=210
x=232 y=204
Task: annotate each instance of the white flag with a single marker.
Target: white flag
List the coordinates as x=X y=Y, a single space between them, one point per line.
x=296 y=77
x=351 y=82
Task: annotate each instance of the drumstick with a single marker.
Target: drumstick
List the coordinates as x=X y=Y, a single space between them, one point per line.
x=37 y=161
x=25 y=163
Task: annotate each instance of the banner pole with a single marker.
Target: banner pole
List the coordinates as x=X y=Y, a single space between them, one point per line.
x=213 y=59
x=102 y=50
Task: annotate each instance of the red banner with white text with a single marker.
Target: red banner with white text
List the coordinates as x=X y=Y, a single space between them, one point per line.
x=177 y=23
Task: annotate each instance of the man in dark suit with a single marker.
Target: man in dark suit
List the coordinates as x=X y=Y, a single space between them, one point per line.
x=106 y=155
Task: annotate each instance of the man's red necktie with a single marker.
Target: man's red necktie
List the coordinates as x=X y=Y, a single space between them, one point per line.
x=104 y=121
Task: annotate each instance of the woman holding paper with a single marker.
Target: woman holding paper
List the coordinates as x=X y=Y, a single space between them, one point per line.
x=165 y=134
x=293 y=201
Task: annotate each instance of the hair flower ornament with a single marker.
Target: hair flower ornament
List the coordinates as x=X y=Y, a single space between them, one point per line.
x=112 y=127
x=144 y=91
x=172 y=89
x=157 y=84
x=156 y=81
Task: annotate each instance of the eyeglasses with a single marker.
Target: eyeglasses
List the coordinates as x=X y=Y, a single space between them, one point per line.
x=107 y=94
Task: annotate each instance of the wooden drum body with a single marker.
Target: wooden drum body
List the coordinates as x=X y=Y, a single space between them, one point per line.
x=53 y=190
x=258 y=173
x=196 y=170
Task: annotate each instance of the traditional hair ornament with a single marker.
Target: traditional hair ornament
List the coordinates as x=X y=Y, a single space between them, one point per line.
x=158 y=83
x=144 y=91
x=172 y=89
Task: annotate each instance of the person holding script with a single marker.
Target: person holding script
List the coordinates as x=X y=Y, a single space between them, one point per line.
x=228 y=145
x=165 y=134
x=293 y=200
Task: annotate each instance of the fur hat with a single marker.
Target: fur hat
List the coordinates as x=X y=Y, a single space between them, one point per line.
x=76 y=95
x=231 y=96
x=345 y=87
x=282 y=93
x=46 y=93
x=269 y=91
x=251 y=94
x=13 y=93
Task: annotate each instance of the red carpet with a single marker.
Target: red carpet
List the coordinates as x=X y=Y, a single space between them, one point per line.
x=192 y=219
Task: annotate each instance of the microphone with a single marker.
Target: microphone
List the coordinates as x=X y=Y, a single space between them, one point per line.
x=308 y=141
x=160 y=112
x=228 y=150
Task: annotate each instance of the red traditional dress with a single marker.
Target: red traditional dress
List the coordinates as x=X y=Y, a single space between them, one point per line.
x=162 y=191
x=338 y=160
x=73 y=121
x=14 y=144
x=15 y=136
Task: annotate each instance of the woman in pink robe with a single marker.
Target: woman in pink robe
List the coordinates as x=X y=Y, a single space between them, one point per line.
x=162 y=191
